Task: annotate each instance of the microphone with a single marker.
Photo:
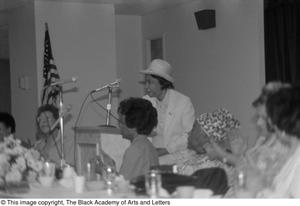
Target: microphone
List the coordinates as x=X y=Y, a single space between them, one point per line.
x=114 y=84
x=61 y=82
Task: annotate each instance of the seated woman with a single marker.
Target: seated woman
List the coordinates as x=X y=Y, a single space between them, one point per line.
x=262 y=154
x=137 y=119
x=263 y=157
x=219 y=127
x=48 y=140
x=283 y=110
x=7 y=125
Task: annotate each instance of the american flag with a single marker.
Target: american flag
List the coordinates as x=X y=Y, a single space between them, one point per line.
x=50 y=74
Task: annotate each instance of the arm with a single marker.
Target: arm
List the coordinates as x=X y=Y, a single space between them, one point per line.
x=130 y=164
x=237 y=147
x=216 y=152
x=187 y=118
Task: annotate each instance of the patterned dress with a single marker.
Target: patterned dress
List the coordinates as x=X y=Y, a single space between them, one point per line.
x=188 y=162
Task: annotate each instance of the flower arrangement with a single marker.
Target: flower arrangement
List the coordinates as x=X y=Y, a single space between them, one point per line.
x=17 y=163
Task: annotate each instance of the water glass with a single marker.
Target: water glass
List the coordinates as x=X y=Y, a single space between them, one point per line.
x=46 y=176
x=109 y=176
x=79 y=184
x=90 y=172
x=48 y=169
x=153 y=183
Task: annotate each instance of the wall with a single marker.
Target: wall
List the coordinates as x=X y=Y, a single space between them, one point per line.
x=219 y=67
x=129 y=54
x=22 y=55
x=83 y=44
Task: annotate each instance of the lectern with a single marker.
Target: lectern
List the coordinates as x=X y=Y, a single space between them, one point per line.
x=91 y=140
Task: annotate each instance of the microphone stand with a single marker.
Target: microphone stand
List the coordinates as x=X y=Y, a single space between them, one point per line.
x=61 y=124
x=108 y=108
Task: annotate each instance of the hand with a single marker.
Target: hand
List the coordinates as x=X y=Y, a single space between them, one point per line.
x=162 y=151
x=211 y=151
x=104 y=161
x=238 y=144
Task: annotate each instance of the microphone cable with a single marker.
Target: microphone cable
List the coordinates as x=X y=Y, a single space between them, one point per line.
x=76 y=123
x=102 y=107
x=79 y=114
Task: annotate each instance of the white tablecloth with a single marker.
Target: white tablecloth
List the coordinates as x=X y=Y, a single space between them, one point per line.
x=58 y=191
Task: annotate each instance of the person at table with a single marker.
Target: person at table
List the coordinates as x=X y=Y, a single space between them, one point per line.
x=257 y=155
x=263 y=157
x=283 y=111
x=219 y=127
x=48 y=139
x=7 y=125
x=176 y=112
x=137 y=119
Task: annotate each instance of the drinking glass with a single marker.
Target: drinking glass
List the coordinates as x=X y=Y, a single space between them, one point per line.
x=153 y=183
x=109 y=176
x=47 y=174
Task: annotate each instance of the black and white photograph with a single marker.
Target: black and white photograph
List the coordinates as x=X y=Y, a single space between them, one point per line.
x=149 y=102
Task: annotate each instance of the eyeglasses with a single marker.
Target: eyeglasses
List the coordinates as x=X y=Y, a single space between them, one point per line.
x=45 y=117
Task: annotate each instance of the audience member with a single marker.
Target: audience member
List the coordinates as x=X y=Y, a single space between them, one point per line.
x=137 y=119
x=48 y=139
x=7 y=125
x=218 y=127
x=283 y=110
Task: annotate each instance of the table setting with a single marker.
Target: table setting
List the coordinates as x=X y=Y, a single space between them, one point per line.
x=72 y=185
x=25 y=174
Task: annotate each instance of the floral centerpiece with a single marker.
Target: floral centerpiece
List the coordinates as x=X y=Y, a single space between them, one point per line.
x=17 y=163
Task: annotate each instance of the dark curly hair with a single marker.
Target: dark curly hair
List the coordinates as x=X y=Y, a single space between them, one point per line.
x=165 y=84
x=139 y=113
x=8 y=120
x=283 y=108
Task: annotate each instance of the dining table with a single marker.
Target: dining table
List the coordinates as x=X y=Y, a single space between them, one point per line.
x=57 y=191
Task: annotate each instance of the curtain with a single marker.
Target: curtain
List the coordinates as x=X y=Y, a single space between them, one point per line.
x=282 y=40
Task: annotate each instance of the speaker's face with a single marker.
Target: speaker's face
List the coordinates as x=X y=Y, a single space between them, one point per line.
x=153 y=87
x=126 y=132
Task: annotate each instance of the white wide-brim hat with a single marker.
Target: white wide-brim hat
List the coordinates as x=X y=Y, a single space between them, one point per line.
x=159 y=68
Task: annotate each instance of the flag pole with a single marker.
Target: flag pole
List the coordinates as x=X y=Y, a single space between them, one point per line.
x=47 y=57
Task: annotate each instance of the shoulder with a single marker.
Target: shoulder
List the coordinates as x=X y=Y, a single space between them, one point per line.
x=143 y=143
x=151 y=99
x=178 y=96
x=140 y=146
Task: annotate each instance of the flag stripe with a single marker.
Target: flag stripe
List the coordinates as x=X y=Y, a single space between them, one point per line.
x=50 y=74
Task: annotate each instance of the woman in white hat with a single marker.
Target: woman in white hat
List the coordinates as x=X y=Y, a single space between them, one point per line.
x=176 y=112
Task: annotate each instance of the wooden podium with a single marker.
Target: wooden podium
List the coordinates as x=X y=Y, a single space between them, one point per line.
x=90 y=140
